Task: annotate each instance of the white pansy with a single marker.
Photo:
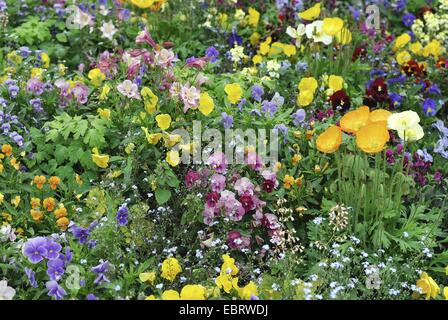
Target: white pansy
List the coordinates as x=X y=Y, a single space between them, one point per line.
x=6 y=293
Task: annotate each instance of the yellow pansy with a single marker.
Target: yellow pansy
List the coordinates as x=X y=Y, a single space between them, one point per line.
x=37 y=73
x=305 y=98
x=104 y=92
x=254 y=17
x=15 y=201
x=153 y=138
x=163 y=121
x=311 y=13
x=234 y=92
x=445 y=293
x=2 y=197
x=147 y=277
x=170 y=295
x=428 y=286
x=101 y=160
x=276 y=48
x=403 y=57
x=265 y=46
x=433 y=48
x=170 y=269
x=104 y=113
x=248 y=291
x=206 y=104
x=335 y=83
x=332 y=26
x=257 y=59
x=192 y=292
x=401 y=41
x=143 y=4
x=254 y=38
x=149 y=99
x=171 y=139
x=45 y=59
x=224 y=281
x=308 y=84
x=96 y=77
x=416 y=48
x=172 y=157
x=289 y=50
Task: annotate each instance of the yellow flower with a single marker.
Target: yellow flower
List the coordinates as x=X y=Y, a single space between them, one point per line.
x=170 y=295
x=329 y=140
x=2 y=197
x=288 y=181
x=354 y=120
x=36 y=215
x=254 y=17
x=403 y=57
x=265 y=46
x=147 y=277
x=234 y=92
x=289 y=50
x=206 y=104
x=15 y=201
x=54 y=181
x=60 y=212
x=142 y=4
x=344 y=36
x=403 y=120
x=149 y=99
x=172 y=157
x=192 y=292
x=332 y=26
x=153 y=138
x=49 y=204
x=311 y=13
x=45 y=59
x=335 y=83
x=254 y=38
x=401 y=41
x=416 y=48
x=445 y=293
x=163 y=121
x=171 y=140
x=433 y=48
x=96 y=77
x=305 y=98
x=224 y=281
x=151 y=297
x=373 y=137
x=257 y=59
x=39 y=181
x=248 y=291
x=7 y=149
x=104 y=113
x=412 y=134
x=228 y=266
x=63 y=223
x=104 y=92
x=170 y=269
x=428 y=286
x=101 y=160
x=379 y=115
x=37 y=73
x=35 y=203
x=308 y=84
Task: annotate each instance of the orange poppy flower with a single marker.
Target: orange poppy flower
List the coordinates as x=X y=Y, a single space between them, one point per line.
x=379 y=115
x=329 y=140
x=354 y=120
x=373 y=137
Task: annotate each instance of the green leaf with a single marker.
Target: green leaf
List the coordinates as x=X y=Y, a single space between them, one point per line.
x=162 y=195
x=61 y=37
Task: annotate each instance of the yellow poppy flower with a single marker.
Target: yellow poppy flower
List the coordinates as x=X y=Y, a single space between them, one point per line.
x=330 y=140
x=332 y=26
x=354 y=120
x=373 y=137
x=163 y=121
x=311 y=13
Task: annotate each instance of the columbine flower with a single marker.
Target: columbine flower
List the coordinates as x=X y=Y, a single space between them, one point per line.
x=129 y=89
x=108 y=29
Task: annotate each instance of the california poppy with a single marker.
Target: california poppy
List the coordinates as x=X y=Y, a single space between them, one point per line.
x=329 y=140
x=355 y=120
x=373 y=137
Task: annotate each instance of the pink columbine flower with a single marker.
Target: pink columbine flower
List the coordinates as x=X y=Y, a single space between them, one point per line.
x=165 y=58
x=190 y=97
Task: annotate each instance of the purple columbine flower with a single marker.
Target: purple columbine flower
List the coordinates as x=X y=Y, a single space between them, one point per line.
x=298 y=117
x=31 y=275
x=257 y=92
x=429 y=107
x=227 y=120
x=212 y=54
x=122 y=215
x=55 y=269
x=408 y=19
x=55 y=290
x=35 y=249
